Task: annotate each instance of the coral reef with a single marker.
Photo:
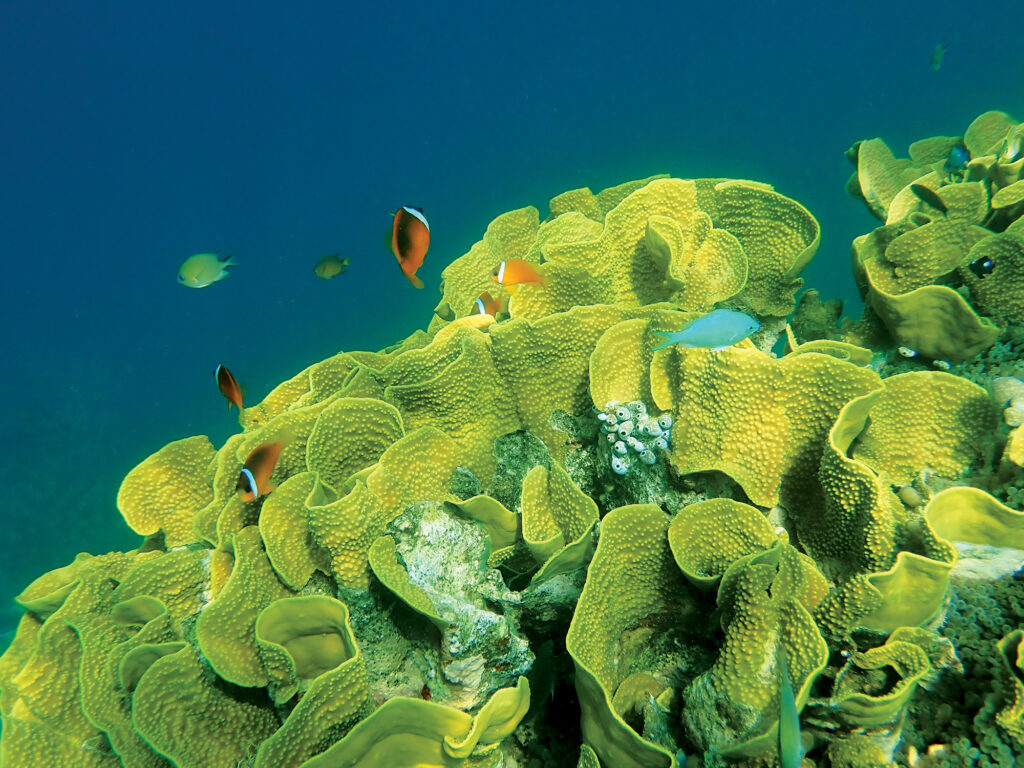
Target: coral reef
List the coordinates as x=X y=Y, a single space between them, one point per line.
x=944 y=275
x=540 y=541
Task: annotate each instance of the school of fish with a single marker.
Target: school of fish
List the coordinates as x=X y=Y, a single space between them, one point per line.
x=409 y=240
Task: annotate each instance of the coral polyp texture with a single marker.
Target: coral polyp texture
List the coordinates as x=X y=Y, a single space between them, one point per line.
x=541 y=541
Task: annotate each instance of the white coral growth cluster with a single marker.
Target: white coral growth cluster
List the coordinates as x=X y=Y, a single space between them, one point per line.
x=633 y=434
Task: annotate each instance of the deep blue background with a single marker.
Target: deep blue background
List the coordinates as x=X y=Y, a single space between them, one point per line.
x=133 y=134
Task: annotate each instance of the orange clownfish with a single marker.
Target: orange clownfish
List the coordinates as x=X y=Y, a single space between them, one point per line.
x=254 y=479
x=410 y=239
x=488 y=305
x=228 y=386
x=515 y=272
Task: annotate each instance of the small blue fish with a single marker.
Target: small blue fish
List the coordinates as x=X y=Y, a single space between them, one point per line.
x=718 y=329
x=957 y=161
x=790 y=744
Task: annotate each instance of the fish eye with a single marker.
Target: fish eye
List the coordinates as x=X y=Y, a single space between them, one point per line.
x=181 y=278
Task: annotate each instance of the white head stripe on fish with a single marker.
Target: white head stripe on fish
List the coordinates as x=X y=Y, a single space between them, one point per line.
x=480 y=306
x=501 y=272
x=252 y=483
x=418 y=215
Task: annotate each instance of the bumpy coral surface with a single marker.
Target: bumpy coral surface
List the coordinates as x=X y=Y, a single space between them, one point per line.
x=533 y=540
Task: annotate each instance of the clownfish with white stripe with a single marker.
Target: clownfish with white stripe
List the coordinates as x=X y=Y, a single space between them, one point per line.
x=254 y=478
x=229 y=387
x=410 y=239
x=515 y=272
x=488 y=305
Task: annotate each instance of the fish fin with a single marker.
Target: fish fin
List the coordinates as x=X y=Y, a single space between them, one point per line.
x=226 y=261
x=790 y=744
x=387 y=242
x=344 y=262
x=270 y=487
x=668 y=340
x=415 y=281
x=719 y=349
x=512 y=288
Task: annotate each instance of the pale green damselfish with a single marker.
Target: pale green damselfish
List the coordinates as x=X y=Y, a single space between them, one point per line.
x=718 y=329
x=790 y=745
x=204 y=269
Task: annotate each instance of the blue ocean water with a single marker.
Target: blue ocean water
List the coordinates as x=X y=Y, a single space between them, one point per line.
x=136 y=134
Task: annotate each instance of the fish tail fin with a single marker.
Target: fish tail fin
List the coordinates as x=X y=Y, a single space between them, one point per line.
x=344 y=262
x=667 y=336
x=415 y=281
x=227 y=261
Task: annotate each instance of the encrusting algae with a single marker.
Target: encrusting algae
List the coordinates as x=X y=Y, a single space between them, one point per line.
x=773 y=535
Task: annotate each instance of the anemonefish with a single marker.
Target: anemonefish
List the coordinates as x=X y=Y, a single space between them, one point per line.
x=330 y=266
x=204 y=269
x=488 y=305
x=254 y=479
x=410 y=239
x=228 y=386
x=515 y=272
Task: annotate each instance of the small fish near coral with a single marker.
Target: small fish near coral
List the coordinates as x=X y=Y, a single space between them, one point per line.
x=203 y=269
x=982 y=267
x=790 y=744
x=718 y=329
x=513 y=273
x=254 y=477
x=1012 y=149
x=409 y=241
x=229 y=387
x=330 y=266
x=956 y=164
x=928 y=196
x=485 y=304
